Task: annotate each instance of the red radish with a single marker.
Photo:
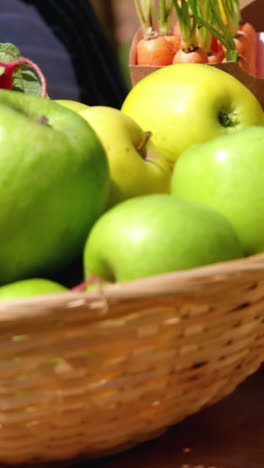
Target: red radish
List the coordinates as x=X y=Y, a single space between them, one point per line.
x=6 y=79
x=163 y=15
x=232 y=15
x=174 y=40
x=214 y=57
x=250 y=31
x=214 y=44
x=189 y=52
x=221 y=43
x=158 y=47
x=216 y=50
x=242 y=62
x=242 y=43
x=155 y=51
x=248 y=28
x=196 y=55
x=82 y=286
x=177 y=29
x=243 y=50
x=221 y=51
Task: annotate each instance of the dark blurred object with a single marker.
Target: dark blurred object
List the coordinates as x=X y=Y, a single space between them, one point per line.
x=96 y=66
x=106 y=13
x=254 y=14
x=68 y=42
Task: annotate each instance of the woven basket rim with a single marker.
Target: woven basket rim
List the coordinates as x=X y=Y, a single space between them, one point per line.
x=164 y=284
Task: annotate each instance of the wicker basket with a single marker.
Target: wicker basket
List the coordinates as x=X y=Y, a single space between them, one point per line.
x=92 y=373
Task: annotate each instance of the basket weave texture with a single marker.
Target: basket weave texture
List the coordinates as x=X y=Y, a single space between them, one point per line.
x=92 y=373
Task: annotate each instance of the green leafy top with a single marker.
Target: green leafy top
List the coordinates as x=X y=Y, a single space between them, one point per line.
x=187 y=21
x=24 y=79
x=231 y=10
x=160 y=11
x=143 y=9
x=163 y=15
x=217 y=28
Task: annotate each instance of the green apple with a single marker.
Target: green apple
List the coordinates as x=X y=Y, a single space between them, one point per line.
x=186 y=104
x=54 y=183
x=227 y=174
x=73 y=105
x=136 y=166
x=155 y=234
x=30 y=287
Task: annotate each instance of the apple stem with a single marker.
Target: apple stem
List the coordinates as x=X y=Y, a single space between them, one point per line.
x=6 y=80
x=140 y=148
x=82 y=286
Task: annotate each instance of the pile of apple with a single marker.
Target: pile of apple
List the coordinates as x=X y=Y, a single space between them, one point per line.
x=172 y=181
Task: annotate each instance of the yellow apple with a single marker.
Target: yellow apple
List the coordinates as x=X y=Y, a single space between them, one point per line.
x=187 y=104
x=73 y=105
x=137 y=167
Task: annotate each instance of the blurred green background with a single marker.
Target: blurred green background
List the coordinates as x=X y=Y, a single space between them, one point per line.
x=123 y=54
